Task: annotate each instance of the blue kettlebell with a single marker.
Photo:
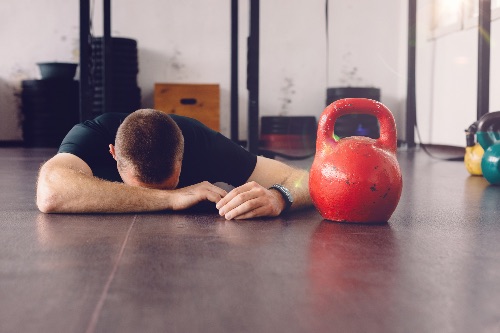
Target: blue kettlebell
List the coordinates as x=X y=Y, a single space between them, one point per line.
x=488 y=137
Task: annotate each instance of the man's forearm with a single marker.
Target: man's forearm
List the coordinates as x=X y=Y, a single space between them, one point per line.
x=298 y=184
x=63 y=190
x=268 y=172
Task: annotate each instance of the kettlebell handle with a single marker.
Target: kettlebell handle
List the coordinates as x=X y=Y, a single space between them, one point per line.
x=388 y=134
x=485 y=135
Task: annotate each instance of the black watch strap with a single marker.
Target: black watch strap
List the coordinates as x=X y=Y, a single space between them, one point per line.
x=285 y=193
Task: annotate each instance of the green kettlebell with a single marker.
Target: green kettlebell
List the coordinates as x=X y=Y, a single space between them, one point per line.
x=488 y=137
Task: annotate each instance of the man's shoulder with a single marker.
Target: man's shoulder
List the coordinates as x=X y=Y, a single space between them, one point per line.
x=104 y=123
x=110 y=117
x=187 y=121
x=193 y=129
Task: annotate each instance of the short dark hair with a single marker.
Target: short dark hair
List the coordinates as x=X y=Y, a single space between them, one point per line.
x=148 y=143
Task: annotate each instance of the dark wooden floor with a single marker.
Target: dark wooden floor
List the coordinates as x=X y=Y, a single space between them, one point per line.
x=435 y=267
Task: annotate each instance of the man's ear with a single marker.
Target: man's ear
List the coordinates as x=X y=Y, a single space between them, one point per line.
x=112 y=151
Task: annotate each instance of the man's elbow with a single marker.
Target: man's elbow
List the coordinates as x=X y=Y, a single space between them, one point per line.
x=46 y=204
x=46 y=195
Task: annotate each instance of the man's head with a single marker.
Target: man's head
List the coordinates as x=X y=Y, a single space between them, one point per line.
x=148 y=150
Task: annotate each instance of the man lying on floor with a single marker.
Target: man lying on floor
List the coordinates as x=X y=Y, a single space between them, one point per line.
x=166 y=162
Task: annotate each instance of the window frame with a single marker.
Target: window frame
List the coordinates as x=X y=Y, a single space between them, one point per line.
x=439 y=29
x=466 y=17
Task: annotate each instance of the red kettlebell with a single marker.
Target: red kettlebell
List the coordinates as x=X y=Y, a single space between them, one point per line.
x=356 y=179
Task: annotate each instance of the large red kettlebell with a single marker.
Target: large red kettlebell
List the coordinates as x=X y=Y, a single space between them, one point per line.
x=356 y=179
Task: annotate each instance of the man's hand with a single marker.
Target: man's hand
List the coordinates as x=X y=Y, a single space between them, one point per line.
x=250 y=200
x=254 y=199
x=191 y=195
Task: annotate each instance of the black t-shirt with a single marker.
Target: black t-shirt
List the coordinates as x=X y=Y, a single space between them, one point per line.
x=208 y=155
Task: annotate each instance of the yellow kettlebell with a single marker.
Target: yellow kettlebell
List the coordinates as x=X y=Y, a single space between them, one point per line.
x=473 y=152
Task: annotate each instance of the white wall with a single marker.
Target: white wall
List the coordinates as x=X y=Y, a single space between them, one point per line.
x=189 y=42
x=447 y=80
x=368 y=48
x=31 y=32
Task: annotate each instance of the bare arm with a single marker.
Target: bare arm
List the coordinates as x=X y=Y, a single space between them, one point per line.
x=66 y=185
x=254 y=199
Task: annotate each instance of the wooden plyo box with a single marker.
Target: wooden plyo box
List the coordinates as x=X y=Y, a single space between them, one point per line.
x=198 y=101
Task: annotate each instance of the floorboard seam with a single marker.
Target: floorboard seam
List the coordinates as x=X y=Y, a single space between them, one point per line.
x=104 y=294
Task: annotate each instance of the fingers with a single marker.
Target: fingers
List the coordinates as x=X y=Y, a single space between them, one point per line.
x=212 y=192
x=247 y=201
x=215 y=189
x=249 y=209
x=244 y=190
x=189 y=196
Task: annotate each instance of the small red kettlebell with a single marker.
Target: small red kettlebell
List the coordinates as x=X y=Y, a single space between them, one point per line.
x=356 y=179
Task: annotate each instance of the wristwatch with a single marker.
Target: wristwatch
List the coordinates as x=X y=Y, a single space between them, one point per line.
x=285 y=193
